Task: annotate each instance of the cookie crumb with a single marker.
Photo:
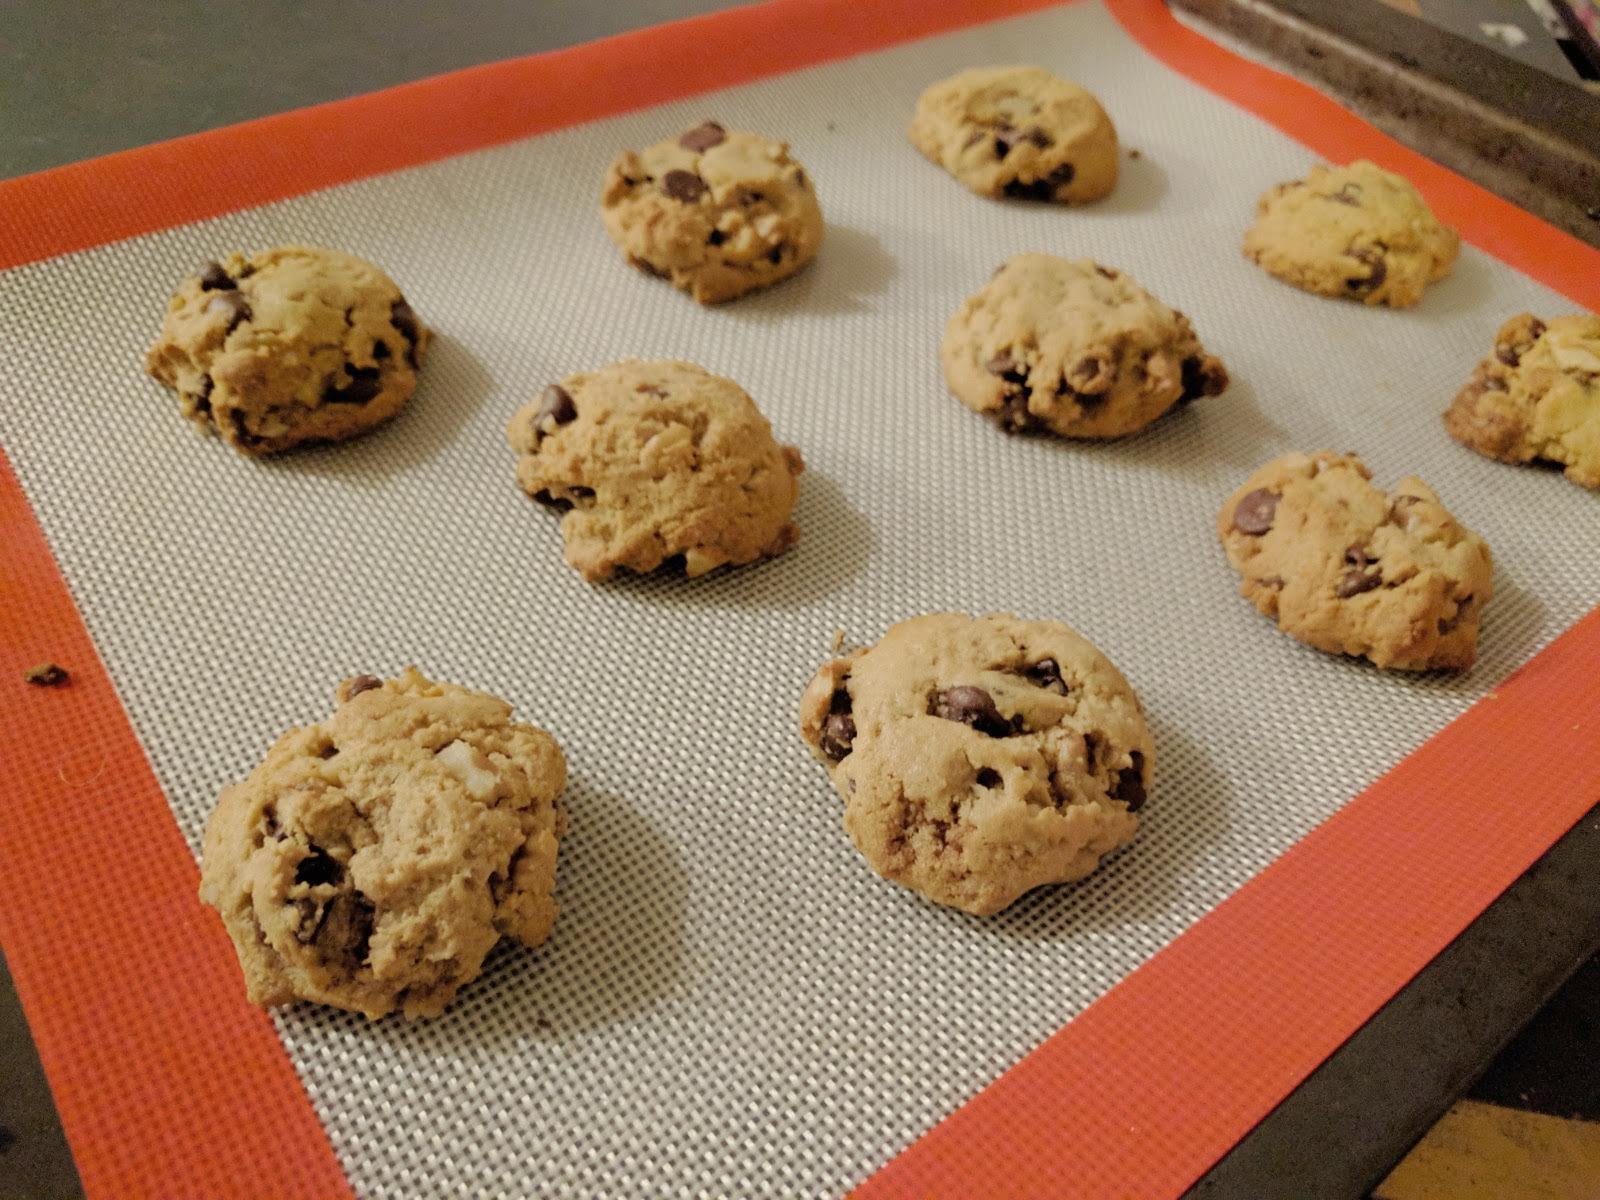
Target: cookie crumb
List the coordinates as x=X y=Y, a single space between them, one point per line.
x=1133 y=152
x=46 y=675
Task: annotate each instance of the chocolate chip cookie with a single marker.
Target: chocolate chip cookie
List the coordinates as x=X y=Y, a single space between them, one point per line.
x=1019 y=132
x=294 y=344
x=1536 y=398
x=717 y=212
x=981 y=757
x=371 y=862
x=1075 y=349
x=1350 y=569
x=1357 y=231
x=657 y=462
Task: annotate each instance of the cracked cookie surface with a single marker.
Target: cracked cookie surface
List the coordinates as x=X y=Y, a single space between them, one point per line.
x=371 y=862
x=656 y=461
x=1073 y=348
x=1350 y=569
x=717 y=212
x=1536 y=397
x=981 y=757
x=1020 y=132
x=1357 y=231
x=294 y=344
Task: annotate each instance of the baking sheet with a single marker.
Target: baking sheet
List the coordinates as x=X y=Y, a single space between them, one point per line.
x=732 y=1003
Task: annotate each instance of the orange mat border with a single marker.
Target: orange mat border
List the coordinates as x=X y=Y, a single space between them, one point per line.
x=212 y=1103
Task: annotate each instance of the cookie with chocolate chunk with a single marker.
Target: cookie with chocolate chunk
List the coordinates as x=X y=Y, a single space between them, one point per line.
x=1019 y=132
x=715 y=211
x=295 y=344
x=371 y=861
x=1075 y=349
x=981 y=757
x=1536 y=397
x=1357 y=232
x=1351 y=569
x=654 y=463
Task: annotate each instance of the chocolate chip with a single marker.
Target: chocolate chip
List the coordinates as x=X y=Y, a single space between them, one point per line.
x=202 y=398
x=1015 y=416
x=716 y=237
x=1353 y=583
x=380 y=350
x=1041 y=189
x=1129 y=787
x=970 y=706
x=1357 y=556
x=1046 y=673
x=241 y=431
x=46 y=675
x=800 y=177
x=1254 y=513
x=775 y=255
x=1005 y=137
x=405 y=320
x=345 y=931
x=702 y=137
x=1105 y=272
x=361 y=683
x=364 y=385
x=683 y=185
x=318 y=868
x=988 y=777
x=555 y=405
x=1091 y=752
x=838 y=735
x=214 y=279
x=1006 y=367
x=567 y=502
x=1377 y=272
x=269 y=821
x=1202 y=377
x=1511 y=352
x=232 y=303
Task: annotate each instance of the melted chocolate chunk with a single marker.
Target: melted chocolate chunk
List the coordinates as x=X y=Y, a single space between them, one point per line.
x=214 y=279
x=704 y=136
x=970 y=706
x=1254 y=514
x=684 y=186
x=1129 y=787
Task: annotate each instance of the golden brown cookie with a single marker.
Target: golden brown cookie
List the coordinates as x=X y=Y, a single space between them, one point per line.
x=1536 y=398
x=372 y=861
x=294 y=344
x=655 y=461
x=1350 y=569
x=1073 y=348
x=981 y=757
x=1357 y=232
x=1020 y=132
x=718 y=212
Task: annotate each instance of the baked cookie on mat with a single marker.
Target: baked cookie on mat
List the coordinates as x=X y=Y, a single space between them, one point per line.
x=1356 y=231
x=1350 y=569
x=717 y=212
x=371 y=862
x=1073 y=348
x=981 y=757
x=1020 y=132
x=655 y=461
x=1536 y=398
x=294 y=344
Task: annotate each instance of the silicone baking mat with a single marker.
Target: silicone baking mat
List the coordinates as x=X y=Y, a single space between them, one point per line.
x=732 y=1004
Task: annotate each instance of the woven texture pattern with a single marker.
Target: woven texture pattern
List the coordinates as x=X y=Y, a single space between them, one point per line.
x=731 y=1003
